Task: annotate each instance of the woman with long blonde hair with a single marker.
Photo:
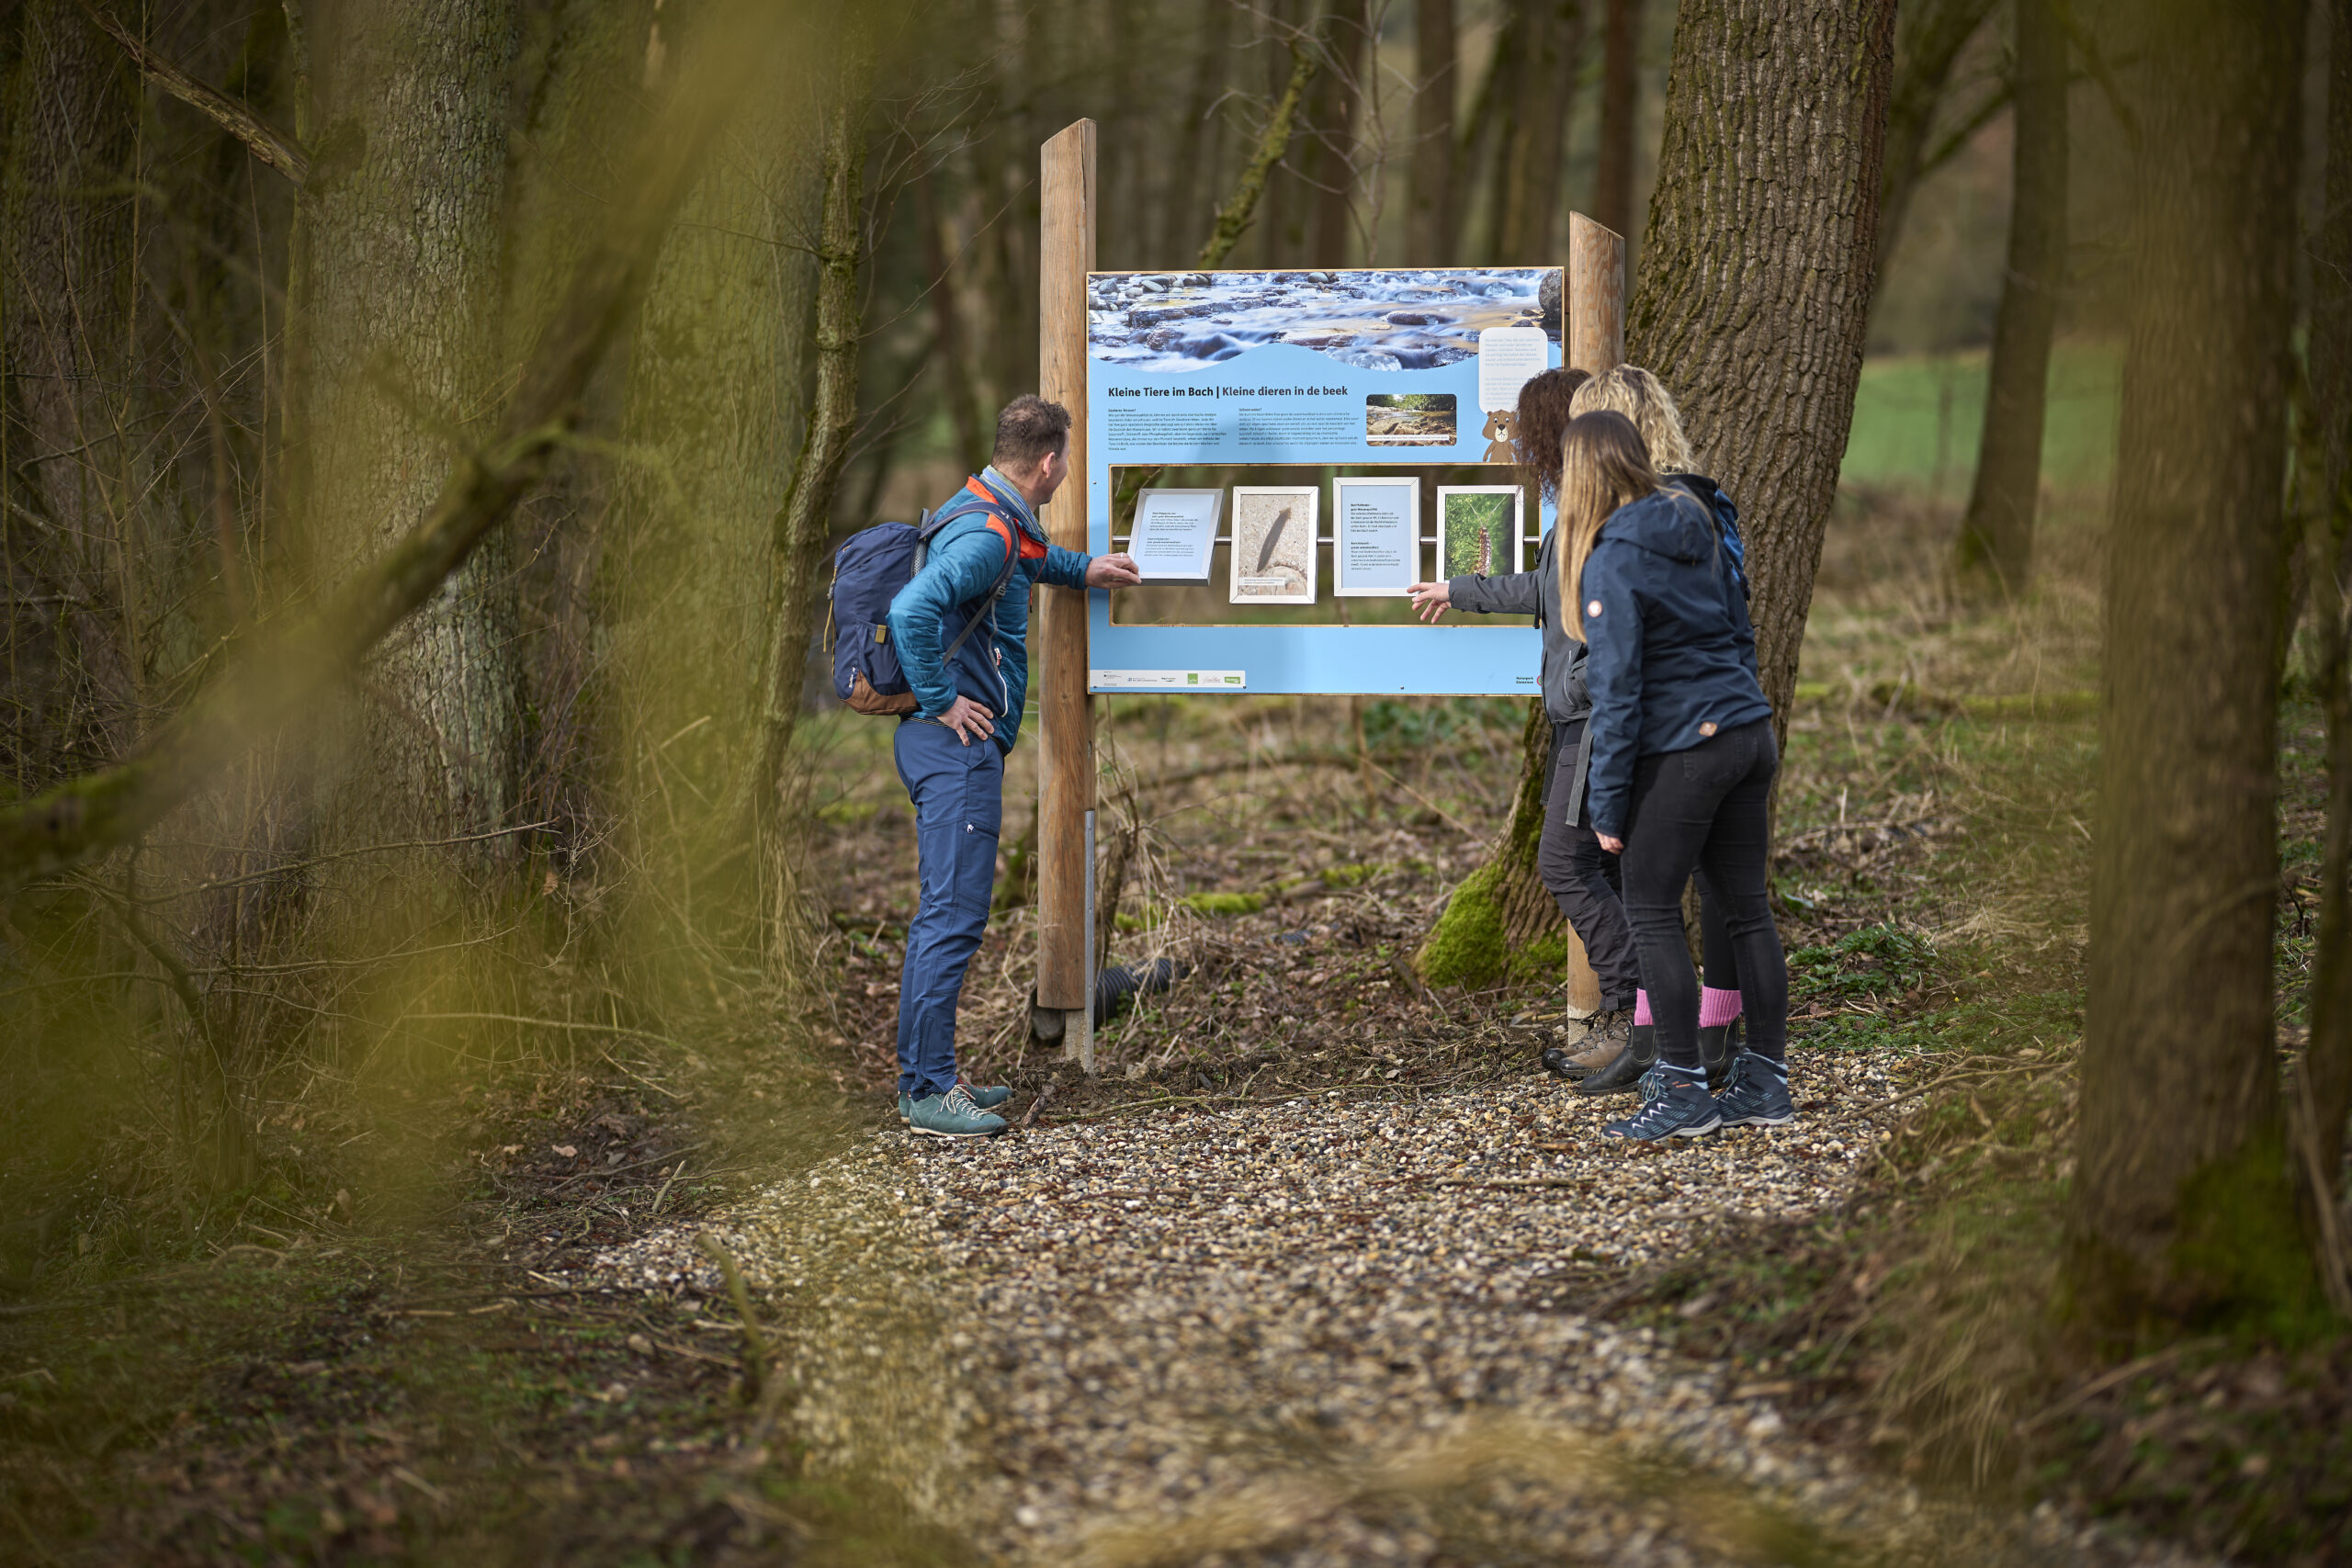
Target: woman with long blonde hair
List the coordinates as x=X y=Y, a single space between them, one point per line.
x=1682 y=759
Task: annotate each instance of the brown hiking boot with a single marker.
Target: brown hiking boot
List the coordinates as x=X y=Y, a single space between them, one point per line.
x=1600 y=1044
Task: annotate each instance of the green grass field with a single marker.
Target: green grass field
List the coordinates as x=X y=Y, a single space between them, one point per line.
x=1916 y=420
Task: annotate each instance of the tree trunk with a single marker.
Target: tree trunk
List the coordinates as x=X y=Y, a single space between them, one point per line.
x=1430 y=225
x=397 y=299
x=1333 y=144
x=804 y=523
x=1544 y=99
x=1996 y=549
x=70 y=674
x=2327 y=1061
x=2182 y=1208
x=1927 y=46
x=1503 y=924
x=1755 y=274
x=1612 y=197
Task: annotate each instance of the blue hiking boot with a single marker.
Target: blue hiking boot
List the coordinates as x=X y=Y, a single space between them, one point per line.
x=1756 y=1094
x=952 y=1115
x=986 y=1099
x=1674 y=1105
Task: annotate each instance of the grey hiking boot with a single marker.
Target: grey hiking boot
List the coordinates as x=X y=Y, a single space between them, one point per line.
x=1757 y=1093
x=1674 y=1105
x=952 y=1115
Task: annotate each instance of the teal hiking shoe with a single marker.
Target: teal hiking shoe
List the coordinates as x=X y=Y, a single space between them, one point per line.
x=952 y=1115
x=986 y=1099
x=1673 y=1106
x=905 y=1100
x=1757 y=1093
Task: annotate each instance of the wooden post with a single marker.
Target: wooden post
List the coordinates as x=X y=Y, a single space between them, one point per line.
x=1596 y=314
x=1594 y=322
x=1065 y=766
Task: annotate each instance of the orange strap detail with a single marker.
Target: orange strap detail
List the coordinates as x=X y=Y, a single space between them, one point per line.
x=1030 y=550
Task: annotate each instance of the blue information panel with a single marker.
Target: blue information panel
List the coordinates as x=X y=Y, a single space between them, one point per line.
x=1349 y=369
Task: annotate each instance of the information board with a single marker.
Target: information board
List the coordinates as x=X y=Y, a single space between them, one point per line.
x=1347 y=368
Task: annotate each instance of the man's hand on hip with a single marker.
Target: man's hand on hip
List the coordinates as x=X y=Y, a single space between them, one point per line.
x=968 y=719
x=1113 y=571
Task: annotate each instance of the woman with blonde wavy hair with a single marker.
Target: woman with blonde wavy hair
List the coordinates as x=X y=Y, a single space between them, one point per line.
x=1682 y=759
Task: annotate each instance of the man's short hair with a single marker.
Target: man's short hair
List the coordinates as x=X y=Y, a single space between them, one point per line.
x=1028 y=430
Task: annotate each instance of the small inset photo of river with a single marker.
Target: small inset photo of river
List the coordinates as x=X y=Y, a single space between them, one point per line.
x=1409 y=419
x=1371 y=319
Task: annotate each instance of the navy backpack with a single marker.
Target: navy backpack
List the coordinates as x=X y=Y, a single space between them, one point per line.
x=869 y=570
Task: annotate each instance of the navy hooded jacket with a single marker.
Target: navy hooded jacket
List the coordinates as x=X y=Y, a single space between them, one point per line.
x=1673 y=655
x=966 y=556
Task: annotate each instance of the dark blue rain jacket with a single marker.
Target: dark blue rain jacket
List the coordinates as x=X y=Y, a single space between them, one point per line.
x=1673 y=655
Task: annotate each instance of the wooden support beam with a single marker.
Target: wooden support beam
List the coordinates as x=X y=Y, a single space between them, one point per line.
x=1595 y=329
x=1066 y=767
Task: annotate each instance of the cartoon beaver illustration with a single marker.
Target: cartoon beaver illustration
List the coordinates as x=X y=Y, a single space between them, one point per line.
x=1499 y=432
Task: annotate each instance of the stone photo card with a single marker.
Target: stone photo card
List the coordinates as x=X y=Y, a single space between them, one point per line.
x=1273 y=544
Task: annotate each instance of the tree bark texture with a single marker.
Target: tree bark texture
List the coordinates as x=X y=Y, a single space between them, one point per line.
x=2182 y=1208
x=1927 y=46
x=1543 y=73
x=2327 y=1061
x=1613 y=195
x=1756 y=272
x=1430 y=221
x=1502 y=923
x=1333 y=124
x=1996 y=549
x=70 y=673
x=400 y=282
x=803 y=524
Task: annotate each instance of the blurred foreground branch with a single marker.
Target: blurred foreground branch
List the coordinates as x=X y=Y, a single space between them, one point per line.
x=269 y=144
x=276 y=679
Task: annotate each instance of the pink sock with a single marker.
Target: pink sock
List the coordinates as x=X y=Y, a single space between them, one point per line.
x=1716 y=1007
x=1642 y=1008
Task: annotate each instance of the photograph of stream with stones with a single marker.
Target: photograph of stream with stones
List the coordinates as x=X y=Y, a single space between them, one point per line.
x=507 y=1057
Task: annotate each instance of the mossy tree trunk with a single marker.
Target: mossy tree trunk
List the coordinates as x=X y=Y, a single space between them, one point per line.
x=2327 y=1062
x=1757 y=271
x=1502 y=922
x=1995 y=555
x=1752 y=301
x=2182 y=1206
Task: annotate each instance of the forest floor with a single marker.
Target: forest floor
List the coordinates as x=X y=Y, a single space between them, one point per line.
x=1319 y=1267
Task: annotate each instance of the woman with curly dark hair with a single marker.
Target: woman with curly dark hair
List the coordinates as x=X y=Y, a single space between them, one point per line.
x=1578 y=874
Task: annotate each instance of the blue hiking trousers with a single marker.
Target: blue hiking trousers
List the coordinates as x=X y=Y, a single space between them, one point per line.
x=958 y=794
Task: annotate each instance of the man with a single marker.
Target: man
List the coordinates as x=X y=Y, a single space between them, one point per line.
x=950 y=750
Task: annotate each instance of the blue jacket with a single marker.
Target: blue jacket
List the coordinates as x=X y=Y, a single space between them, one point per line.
x=965 y=558
x=1673 y=655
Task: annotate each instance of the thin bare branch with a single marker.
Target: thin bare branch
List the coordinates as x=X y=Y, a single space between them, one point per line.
x=269 y=144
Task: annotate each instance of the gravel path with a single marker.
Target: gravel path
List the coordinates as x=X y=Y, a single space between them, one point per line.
x=1318 y=1332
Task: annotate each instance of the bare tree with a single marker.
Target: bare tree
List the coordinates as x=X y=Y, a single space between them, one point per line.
x=1430 y=224
x=1995 y=547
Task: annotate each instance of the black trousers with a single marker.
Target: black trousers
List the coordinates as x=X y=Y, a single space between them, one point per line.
x=1587 y=882
x=1703 y=810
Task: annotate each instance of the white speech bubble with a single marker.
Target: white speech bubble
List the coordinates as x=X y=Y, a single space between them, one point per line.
x=1508 y=358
